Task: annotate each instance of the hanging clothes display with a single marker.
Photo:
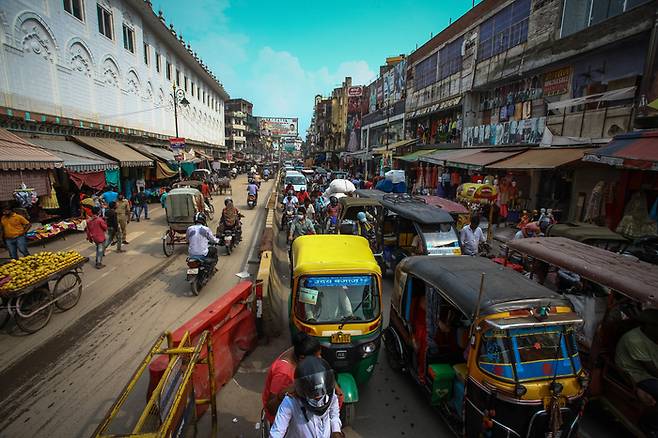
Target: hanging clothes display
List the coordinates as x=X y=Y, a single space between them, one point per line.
x=636 y=221
x=50 y=202
x=112 y=178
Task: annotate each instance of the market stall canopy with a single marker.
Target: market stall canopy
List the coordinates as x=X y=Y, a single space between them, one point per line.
x=625 y=274
x=541 y=158
x=109 y=147
x=440 y=157
x=75 y=157
x=479 y=160
x=157 y=153
x=17 y=153
x=635 y=150
x=393 y=146
x=415 y=156
x=204 y=156
x=163 y=171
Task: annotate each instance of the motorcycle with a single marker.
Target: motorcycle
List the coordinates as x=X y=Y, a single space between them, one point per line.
x=234 y=174
x=230 y=240
x=251 y=201
x=199 y=271
x=288 y=217
x=330 y=226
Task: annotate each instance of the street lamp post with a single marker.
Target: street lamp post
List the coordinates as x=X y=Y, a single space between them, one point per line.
x=178 y=96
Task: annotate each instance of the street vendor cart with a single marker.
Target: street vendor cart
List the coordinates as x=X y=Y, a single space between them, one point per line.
x=31 y=288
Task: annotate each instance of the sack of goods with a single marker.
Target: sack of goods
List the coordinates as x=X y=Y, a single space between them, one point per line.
x=340 y=186
x=395 y=176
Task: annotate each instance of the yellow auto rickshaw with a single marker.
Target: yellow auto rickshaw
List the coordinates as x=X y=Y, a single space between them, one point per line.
x=336 y=297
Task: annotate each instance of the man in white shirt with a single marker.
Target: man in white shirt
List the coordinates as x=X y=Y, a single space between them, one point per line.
x=198 y=236
x=471 y=236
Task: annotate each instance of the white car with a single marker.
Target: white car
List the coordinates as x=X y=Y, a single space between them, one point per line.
x=297 y=179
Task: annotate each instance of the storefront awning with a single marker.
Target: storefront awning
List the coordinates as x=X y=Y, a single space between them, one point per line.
x=480 y=160
x=393 y=146
x=154 y=152
x=204 y=156
x=75 y=157
x=415 y=156
x=17 y=153
x=440 y=157
x=109 y=147
x=541 y=158
x=636 y=150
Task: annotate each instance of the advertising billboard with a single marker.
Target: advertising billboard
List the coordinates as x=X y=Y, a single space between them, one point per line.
x=278 y=126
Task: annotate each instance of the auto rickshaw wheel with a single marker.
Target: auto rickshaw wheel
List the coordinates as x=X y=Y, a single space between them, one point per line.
x=393 y=355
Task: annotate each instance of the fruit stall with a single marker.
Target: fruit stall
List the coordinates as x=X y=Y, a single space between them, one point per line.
x=31 y=287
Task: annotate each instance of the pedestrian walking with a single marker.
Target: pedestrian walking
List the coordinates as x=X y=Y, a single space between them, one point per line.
x=141 y=204
x=96 y=228
x=113 y=229
x=123 y=216
x=14 y=227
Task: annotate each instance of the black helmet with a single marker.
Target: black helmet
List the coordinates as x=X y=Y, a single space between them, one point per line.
x=226 y=201
x=314 y=384
x=200 y=218
x=333 y=200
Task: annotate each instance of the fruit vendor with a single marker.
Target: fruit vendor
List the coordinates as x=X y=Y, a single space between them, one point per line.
x=14 y=227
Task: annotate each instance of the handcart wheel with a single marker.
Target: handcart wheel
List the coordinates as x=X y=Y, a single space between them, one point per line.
x=4 y=313
x=168 y=244
x=69 y=282
x=26 y=315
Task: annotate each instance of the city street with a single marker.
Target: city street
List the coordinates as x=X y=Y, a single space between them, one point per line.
x=61 y=381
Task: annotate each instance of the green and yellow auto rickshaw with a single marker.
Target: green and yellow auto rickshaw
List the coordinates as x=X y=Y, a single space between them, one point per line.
x=495 y=352
x=336 y=297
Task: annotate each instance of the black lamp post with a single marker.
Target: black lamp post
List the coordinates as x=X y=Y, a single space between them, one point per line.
x=178 y=96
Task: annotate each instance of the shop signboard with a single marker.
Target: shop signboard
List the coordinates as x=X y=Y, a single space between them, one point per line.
x=557 y=82
x=278 y=126
x=177 y=145
x=354 y=91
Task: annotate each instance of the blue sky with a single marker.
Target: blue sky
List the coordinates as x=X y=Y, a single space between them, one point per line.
x=279 y=55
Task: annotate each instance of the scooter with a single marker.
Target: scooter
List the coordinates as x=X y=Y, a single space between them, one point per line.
x=199 y=271
x=251 y=201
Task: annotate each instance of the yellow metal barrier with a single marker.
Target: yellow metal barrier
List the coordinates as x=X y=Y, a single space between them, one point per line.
x=171 y=405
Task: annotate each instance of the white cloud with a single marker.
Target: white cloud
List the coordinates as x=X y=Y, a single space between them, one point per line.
x=280 y=86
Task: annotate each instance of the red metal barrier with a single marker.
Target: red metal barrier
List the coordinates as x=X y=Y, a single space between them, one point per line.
x=232 y=325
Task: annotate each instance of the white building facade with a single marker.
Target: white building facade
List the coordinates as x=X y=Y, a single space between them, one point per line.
x=112 y=62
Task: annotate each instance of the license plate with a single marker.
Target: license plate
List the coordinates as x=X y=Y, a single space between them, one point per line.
x=341 y=338
x=193 y=271
x=562 y=402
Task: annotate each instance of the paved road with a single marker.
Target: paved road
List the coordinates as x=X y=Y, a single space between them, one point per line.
x=65 y=386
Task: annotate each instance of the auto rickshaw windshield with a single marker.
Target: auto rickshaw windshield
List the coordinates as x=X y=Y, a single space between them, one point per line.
x=337 y=299
x=439 y=235
x=525 y=354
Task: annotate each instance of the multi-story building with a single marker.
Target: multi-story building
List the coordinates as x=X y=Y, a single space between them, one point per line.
x=509 y=72
x=338 y=138
x=105 y=65
x=320 y=128
x=237 y=111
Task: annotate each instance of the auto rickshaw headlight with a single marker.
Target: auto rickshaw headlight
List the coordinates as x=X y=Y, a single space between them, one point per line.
x=368 y=348
x=583 y=380
x=556 y=388
x=520 y=390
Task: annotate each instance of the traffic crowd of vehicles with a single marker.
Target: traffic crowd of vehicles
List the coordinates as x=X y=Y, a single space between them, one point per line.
x=508 y=346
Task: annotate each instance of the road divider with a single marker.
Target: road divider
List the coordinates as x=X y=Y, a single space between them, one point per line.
x=231 y=323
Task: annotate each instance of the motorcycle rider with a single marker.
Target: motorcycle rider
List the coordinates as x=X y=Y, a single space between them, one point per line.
x=331 y=212
x=289 y=203
x=301 y=226
x=252 y=189
x=312 y=410
x=302 y=195
x=230 y=219
x=198 y=237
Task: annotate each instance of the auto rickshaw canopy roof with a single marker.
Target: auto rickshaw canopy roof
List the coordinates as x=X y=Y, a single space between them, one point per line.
x=417 y=211
x=625 y=274
x=583 y=232
x=348 y=202
x=370 y=194
x=457 y=278
x=333 y=253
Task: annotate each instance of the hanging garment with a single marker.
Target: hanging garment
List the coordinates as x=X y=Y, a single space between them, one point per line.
x=636 y=221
